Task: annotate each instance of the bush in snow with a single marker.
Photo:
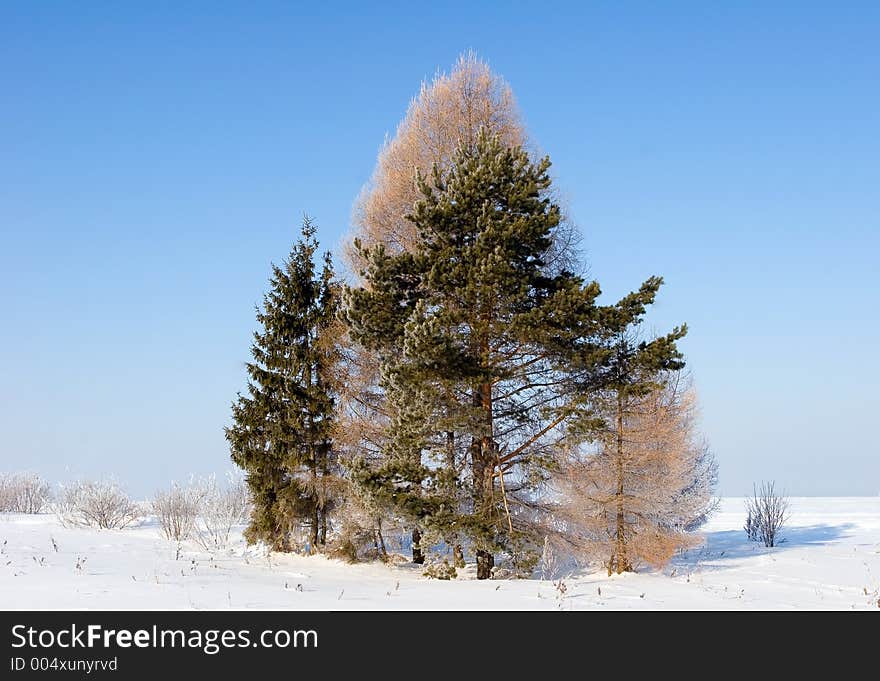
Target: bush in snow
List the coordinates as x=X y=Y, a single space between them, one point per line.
x=549 y=562
x=751 y=524
x=221 y=508
x=203 y=510
x=766 y=514
x=442 y=570
x=177 y=510
x=23 y=493
x=89 y=503
x=364 y=532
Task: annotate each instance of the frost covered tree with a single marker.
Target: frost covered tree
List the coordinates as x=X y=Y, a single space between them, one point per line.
x=447 y=112
x=282 y=428
x=648 y=481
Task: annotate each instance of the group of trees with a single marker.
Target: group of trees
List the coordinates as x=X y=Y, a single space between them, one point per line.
x=467 y=382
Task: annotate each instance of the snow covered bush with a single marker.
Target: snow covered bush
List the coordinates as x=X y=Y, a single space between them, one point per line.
x=102 y=504
x=203 y=510
x=355 y=542
x=767 y=512
x=177 y=510
x=442 y=570
x=23 y=493
x=220 y=509
x=549 y=561
x=364 y=531
x=751 y=524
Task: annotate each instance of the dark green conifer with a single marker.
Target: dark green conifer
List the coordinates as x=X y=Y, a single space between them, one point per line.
x=282 y=429
x=472 y=329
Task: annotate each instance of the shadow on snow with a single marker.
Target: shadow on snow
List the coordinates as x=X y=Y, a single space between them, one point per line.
x=726 y=545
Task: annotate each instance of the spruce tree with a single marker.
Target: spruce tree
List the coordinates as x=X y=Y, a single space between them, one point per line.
x=282 y=428
x=476 y=336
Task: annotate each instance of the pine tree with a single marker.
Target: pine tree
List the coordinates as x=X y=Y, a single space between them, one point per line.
x=447 y=111
x=476 y=334
x=282 y=429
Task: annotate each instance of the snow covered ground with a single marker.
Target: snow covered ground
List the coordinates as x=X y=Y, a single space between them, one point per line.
x=830 y=560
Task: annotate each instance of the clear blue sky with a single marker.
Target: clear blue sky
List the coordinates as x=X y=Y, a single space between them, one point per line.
x=155 y=157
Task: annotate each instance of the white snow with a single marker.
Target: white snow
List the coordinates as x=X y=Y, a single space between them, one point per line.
x=830 y=560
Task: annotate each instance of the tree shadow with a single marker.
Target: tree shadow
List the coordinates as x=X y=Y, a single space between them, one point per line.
x=722 y=547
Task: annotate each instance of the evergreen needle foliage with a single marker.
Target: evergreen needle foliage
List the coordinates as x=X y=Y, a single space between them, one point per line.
x=282 y=428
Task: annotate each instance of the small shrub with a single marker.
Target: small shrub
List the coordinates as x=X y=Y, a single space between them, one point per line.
x=751 y=524
x=343 y=548
x=357 y=540
x=501 y=572
x=23 y=493
x=767 y=513
x=220 y=510
x=524 y=562
x=549 y=561
x=177 y=510
x=442 y=570
x=102 y=504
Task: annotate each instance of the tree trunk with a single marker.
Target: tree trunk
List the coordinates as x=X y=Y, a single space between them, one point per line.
x=620 y=562
x=483 y=459
x=450 y=450
x=281 y=544
x=383 y=551
x=418 y=556
x=458 y=556
x=457 y=552
x=322 y=497
x=485 y=563
x=482 y=503
x=315 y=520
x=280 y=532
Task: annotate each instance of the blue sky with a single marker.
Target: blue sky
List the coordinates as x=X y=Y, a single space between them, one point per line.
x=157 y=157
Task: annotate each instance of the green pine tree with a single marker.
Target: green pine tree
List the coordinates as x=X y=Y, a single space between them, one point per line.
x=282 y=429
x=476 y=334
